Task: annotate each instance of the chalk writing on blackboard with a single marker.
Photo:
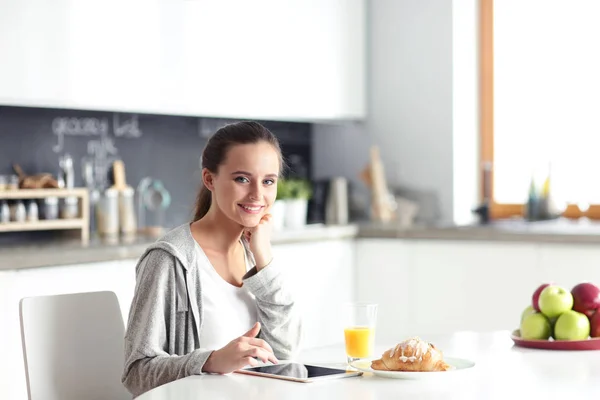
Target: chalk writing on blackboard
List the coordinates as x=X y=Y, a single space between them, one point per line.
x=128 y=128
x=66 y=126
x=101 y=148
x=70 y=126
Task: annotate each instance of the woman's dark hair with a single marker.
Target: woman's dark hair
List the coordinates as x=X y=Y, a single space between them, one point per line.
x=215 y=151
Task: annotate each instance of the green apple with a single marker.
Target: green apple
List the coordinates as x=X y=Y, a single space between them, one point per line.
x=527 y=311
x=553 y=325
x=535 y=326
x=572 y=325
x=555 y=300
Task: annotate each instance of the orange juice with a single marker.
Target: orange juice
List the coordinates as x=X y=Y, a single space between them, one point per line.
x=359 y=341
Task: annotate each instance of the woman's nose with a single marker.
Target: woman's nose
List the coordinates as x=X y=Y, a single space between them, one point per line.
x=255 y=192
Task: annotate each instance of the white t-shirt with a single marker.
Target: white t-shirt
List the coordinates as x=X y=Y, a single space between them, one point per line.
x=228 y=311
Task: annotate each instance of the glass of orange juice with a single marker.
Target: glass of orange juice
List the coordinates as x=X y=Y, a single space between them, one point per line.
x=359 y=330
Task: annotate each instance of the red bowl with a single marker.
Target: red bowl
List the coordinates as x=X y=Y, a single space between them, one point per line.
x=551 y=344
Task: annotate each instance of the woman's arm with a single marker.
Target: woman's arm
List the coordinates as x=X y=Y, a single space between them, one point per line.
x=151 y=326
x=278 y=312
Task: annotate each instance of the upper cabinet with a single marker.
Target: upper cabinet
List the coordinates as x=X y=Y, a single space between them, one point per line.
x=295 y=60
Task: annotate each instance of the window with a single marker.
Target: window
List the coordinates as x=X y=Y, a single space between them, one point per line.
x=540 y=101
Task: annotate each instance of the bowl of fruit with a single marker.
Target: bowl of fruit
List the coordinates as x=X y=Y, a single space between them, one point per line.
x=561 y=319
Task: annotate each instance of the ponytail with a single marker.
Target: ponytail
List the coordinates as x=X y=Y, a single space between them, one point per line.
x=202 y=203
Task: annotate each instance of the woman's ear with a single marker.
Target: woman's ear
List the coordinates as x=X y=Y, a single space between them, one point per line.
x=208 y=179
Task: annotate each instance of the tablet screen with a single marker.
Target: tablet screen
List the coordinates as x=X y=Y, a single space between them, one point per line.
x=296 y=370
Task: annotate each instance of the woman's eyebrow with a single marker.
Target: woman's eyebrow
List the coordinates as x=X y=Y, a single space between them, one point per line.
x=249 y=174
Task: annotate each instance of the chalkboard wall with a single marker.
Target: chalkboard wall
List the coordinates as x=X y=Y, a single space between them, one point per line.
x=162 y=147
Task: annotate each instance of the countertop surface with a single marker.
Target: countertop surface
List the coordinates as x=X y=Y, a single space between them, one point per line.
x=64 y=252
x=501 y=371
x=553 y=231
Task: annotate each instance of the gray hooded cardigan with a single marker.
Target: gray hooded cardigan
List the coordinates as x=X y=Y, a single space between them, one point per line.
x=165 y=318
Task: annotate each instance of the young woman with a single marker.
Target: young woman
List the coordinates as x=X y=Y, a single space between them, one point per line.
x=209 y=297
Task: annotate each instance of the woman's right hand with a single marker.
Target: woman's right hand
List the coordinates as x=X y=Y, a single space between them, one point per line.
x=240 y=352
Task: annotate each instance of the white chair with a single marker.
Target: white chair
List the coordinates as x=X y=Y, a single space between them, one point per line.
x=73 y=346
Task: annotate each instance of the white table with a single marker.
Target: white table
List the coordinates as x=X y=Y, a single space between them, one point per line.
x=502 y=371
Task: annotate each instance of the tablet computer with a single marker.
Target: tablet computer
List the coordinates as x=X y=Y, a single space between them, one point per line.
x=298 y=372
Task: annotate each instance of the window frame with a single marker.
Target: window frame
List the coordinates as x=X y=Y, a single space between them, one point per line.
x=486 y=122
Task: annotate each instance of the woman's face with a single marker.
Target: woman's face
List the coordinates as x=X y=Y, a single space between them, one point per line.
x=245 y=186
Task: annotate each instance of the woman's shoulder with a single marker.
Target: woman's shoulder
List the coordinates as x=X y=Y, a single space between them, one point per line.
x=177 y=244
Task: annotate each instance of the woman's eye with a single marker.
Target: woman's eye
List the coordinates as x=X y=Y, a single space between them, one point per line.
x=269 y=182
x=242 y=179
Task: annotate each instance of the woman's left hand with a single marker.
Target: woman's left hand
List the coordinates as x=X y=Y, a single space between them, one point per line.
x=259 y=238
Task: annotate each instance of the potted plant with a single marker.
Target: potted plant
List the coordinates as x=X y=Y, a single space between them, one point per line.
x=297 y=192
x=278 y=209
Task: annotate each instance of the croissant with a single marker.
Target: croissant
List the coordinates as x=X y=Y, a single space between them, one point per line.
x=414 y=355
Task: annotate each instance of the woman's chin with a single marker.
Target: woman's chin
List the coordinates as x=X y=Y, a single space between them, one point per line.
x=249 y=221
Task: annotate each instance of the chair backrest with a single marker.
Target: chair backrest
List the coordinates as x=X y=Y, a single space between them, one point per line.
x=73 y=346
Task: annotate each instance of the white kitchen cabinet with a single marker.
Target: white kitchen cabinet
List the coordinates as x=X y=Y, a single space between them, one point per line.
x=97 y=55
x=266 y=59
x=383 y=276
x=322 y=277
x=479 y=286
x=429 y=286
x=568 y=265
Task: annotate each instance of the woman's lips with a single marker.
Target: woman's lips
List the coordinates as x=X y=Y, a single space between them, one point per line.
x=250 y=209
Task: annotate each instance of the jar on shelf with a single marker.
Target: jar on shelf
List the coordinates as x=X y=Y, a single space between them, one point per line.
x=3 y=182
x=19 y=212
x=51 y=208
x=4 y=212
x=70 y=208
x=32 y=211
x=13 y=182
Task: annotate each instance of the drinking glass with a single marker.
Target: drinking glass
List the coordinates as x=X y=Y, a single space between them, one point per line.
x=359 y=330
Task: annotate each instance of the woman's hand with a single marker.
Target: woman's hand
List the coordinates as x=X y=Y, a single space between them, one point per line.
x=259 y=238
x=240 y=352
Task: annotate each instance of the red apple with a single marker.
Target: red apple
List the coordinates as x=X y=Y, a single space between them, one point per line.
x=536 y=296
x=586 y=298
x=595 y=325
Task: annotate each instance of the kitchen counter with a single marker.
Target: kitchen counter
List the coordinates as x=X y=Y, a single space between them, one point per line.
x=555 y=231
x=65 y=252
x=73 y=252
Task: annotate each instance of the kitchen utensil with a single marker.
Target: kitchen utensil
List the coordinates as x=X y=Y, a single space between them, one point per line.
x=153 y=200
x=374 y=177
x=107 y=213
x=127 y=222
x=67 y=173
x=127 y=218
x=336 y=210
x=88 y=175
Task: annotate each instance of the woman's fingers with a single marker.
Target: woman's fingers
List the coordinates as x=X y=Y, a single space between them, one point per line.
x=262 y=354
x=249 y=361
x=260 y=343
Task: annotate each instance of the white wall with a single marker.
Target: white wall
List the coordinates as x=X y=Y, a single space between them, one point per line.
x=465 y=92
x=411 y=73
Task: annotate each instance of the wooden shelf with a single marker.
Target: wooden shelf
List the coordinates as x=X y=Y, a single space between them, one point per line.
x=83 y=223
x=50 y=224
x=41 y=193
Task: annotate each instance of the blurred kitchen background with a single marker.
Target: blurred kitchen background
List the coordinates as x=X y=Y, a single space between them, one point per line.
x=426 y=146
x=146 y=84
